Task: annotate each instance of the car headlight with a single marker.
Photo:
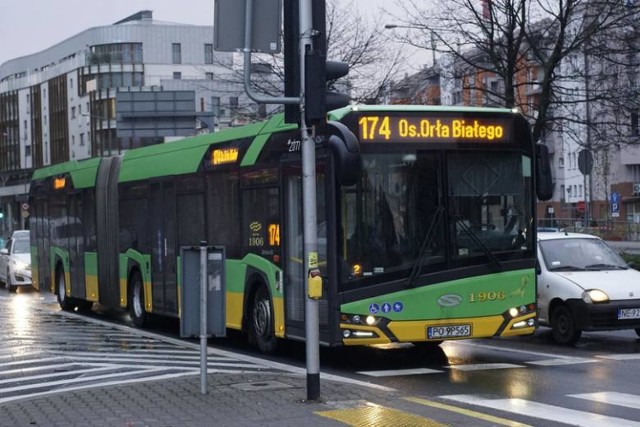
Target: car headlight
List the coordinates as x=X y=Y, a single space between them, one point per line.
x=19 y=266
x=594 y=296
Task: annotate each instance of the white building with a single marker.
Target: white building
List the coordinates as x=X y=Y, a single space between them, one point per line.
x=59 y=104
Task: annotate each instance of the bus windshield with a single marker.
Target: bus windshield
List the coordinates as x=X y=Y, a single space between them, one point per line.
x=387 y=216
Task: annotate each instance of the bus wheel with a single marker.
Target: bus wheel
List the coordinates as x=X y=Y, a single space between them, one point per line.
x=262 y=331
x=61 y=293
x=136 y=301
x=563 y=326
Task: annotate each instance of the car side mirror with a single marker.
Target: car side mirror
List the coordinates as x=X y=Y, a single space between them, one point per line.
x=538 y=269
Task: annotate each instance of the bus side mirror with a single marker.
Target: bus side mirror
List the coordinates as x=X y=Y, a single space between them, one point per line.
x=346 y=151
x=544 y=181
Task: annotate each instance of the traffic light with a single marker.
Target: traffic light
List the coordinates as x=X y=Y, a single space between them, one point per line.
x=318 y=99
x=318 y=71
x=291 y=59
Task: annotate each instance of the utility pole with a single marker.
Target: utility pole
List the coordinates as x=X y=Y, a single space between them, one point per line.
x=300 y=36
x=310 y=221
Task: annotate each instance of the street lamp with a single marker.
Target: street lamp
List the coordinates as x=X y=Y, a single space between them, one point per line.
x=411 y=27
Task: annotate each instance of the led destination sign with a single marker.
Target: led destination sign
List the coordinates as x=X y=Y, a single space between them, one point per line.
x=404 y=128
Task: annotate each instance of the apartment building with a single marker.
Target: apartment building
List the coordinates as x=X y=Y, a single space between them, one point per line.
x=584 y=117
x=60 y=104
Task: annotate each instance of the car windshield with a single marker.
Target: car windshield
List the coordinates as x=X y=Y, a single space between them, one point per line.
x=580 y=254
x=21 y=246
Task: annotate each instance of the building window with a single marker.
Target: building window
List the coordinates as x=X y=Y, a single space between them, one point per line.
x=125 y=53
x=176 y=53
x=208 y=53
x=82 y=139
x=73 y=112
x=215 y=106
x=177 y=75
x=209 y=76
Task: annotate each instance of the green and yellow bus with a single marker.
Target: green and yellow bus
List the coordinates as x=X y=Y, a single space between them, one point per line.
x=426 y=225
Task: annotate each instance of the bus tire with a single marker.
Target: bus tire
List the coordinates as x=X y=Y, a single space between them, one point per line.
x=136 y=300
x=563 y=326
x=261 y=326
x=61 y=293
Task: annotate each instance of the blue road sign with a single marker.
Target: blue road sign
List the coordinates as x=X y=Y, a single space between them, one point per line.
x=615 y=202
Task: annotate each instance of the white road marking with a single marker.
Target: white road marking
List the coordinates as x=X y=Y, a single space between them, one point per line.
x=632 y=356
x=543 y=411
x=400 y=372
x=484 y=366
x=612 y=398
x=219 y=352
x=562 y=362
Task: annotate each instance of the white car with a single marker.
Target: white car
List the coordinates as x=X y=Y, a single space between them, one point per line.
x=584 y=285
x=15 y=261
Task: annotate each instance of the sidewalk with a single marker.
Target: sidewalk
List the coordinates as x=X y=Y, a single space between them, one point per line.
x=232 y=400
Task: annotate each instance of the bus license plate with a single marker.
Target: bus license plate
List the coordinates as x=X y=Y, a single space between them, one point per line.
x=448 y=331
x=629 y=313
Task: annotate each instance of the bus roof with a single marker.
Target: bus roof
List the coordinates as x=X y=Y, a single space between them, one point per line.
x=163 y=159
x=82 y=172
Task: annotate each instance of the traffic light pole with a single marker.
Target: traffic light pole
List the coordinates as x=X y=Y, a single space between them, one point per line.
x=313 y=281
x=309 y=217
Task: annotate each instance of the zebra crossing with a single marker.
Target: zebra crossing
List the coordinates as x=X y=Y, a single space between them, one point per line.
x=556 y=413
x=44 y=352
x=547 y=362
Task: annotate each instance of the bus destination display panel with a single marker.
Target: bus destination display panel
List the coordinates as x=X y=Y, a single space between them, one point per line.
x=381 y=127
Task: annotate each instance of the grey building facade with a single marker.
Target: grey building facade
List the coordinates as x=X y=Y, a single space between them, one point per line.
x=60 y=104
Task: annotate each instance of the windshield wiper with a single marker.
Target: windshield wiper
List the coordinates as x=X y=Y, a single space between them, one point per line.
x=605 y=266
x=479 y=243
x=567 y=268
x=428 y=238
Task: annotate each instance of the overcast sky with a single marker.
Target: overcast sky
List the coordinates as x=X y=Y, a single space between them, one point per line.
x=29 y=26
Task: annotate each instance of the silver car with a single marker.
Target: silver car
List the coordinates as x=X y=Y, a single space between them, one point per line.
x=15 y=261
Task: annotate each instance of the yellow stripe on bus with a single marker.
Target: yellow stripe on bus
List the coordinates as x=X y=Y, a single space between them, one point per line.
x=91 y=287
x=235 y=310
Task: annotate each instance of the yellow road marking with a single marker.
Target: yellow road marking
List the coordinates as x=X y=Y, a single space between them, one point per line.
x=467 y=412
x=371 y=415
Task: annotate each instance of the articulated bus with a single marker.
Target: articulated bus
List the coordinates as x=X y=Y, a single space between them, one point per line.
x=425 y=221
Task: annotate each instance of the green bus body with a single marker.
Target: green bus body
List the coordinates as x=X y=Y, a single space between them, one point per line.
x=424 y=226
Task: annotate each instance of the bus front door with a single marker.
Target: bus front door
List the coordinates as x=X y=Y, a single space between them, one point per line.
x=295 y=298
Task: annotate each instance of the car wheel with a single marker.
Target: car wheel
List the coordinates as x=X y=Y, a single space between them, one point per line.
x=136 y=301
x=262 y=325
x=11 y=288
x=563 y=326
x=63 y=300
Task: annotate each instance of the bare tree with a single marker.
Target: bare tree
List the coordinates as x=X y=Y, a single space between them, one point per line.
x=351 y=38
x=589 y=41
